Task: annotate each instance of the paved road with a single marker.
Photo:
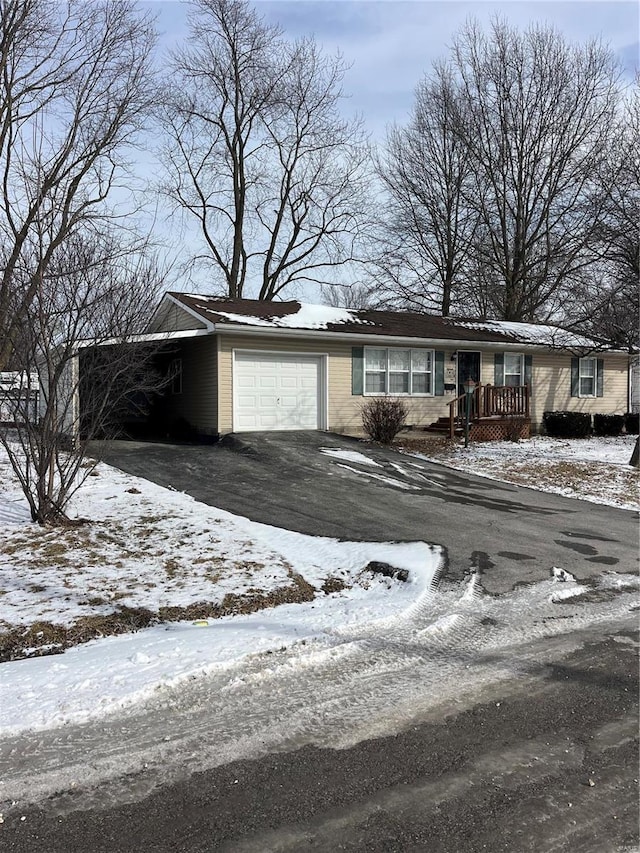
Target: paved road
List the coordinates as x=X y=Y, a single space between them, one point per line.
x=512 y=534
x=546 y=762
x=505 y=721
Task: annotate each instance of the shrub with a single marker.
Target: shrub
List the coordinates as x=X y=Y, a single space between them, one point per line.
x=608 y=424
x=514 y=428
x=632 y=423
x=567 y=424
x=383 y=418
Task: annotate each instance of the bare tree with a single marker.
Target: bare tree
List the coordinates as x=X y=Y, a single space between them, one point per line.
x=259 y=154
x=608 y=302
x=76 y=346
x=429 y=225
x=75 y=87
x=494 y=182
x=357 y=296
x=535 y=115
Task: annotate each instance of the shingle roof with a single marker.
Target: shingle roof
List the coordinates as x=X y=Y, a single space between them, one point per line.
x=401 y=324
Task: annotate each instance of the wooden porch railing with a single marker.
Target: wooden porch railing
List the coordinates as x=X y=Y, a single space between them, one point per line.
x=489 y=401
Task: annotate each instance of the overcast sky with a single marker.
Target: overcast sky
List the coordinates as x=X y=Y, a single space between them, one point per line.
x=390 y=44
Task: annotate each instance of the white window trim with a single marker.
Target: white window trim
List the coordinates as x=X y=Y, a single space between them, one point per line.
x=409 y=393
x=594 y=377
x=520 y=372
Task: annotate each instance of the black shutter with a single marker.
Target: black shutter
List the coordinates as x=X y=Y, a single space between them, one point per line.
x=528 y=370
x=357 y=371
x=600 y=377
x=439 y=374
x=498 y=369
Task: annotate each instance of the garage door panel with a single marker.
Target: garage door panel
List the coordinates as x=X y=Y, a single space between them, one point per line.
x=288 y=391
x=248 y=402
x=247 y=382
x=266 y=402
x=287 y=382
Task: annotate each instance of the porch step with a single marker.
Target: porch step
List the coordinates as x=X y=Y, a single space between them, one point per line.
x=441 y=426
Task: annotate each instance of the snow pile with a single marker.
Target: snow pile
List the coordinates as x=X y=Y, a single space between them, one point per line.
x=348 y=456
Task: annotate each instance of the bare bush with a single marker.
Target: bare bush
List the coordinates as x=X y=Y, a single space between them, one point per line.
x=77 y=340
x=514 y=428
x=383 y=418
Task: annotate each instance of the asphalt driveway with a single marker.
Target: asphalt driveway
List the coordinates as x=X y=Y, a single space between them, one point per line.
x=311 y=483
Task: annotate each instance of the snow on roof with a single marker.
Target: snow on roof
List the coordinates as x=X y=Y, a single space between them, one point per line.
x=529 y=333
x=306 y=317
x=394 y=324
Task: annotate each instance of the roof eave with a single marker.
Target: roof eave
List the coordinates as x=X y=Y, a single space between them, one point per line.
x=143 y=338
x=326 y=334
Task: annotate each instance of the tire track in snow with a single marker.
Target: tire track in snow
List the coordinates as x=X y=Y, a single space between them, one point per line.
x=354 y=684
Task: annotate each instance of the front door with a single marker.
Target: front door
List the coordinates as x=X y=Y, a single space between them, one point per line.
x=468 y=368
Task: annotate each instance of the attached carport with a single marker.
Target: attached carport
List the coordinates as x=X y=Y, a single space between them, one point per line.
x=145 y=388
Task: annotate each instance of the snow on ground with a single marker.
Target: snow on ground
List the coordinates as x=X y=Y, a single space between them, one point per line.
x=348 y=456
x=591 y=469
x=146 y=546
x=105 y=675
x=150 y=547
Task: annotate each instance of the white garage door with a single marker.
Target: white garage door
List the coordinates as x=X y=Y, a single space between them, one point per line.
x=276 y=391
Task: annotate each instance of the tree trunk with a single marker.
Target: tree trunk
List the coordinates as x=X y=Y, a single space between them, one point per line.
x=635 y=456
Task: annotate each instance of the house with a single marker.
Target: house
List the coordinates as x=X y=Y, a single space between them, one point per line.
x=245 y=365
x=18 y=397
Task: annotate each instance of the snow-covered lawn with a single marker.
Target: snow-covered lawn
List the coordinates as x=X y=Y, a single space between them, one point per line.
x=148 y=556
x=592 y=469
x=151 y=551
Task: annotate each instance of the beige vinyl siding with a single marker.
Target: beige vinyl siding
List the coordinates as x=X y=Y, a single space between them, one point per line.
x=551 y=385
x=551 y=378
x=198 y=402
x=175 y=319
x=343 y=407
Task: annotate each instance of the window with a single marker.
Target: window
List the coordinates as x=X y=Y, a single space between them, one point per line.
x=174 y=376
x=588 y=373
x=375 y=371
x=513 y=372
x=398 y=371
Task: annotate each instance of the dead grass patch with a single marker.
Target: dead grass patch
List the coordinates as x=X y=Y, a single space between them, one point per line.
x=433 y=446
x=46 y=638
x=332 y=584
x=171 y=567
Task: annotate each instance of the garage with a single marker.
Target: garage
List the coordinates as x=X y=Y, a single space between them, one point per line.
x=278 y=391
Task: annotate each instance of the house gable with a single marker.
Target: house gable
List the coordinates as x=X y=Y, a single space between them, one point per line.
x=172 y=316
